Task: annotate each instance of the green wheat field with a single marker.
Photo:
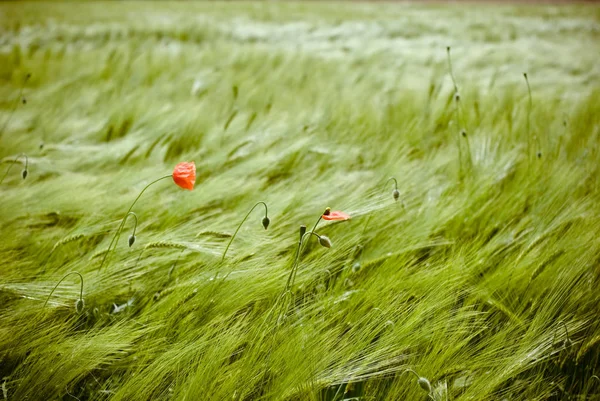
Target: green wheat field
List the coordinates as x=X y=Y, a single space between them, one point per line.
x=477 y=280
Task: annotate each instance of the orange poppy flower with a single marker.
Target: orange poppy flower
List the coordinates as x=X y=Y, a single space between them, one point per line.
x=336 y=215
x=184 y=175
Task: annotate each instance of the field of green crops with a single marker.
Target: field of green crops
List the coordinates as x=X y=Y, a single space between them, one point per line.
x=481 y=281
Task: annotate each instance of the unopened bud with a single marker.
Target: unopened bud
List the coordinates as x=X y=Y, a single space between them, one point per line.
x=355 y=267
x=131 y=240
x=327 y=212
x=539 y=155
x=463 y=133
x=396 y=194
x=302 y=231
x=325 y=241
x=79 y=305
x=425 y=385
x=24 y=173
x=265 y=222
x=457 y=97
x=24 y=101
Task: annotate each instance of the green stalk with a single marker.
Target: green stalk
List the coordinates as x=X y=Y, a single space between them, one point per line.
x=118 y=233
x=61 y=280
x=13 y=163
x=240 y=226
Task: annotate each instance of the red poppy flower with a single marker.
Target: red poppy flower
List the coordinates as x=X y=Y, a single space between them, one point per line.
x=184 y=175
x=336 y=215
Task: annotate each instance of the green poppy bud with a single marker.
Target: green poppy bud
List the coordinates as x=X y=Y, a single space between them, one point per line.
x=79 y=305
x=131 y=240
x=265 y=222
x=325 y=241
x=302 y=231
x=425 y=385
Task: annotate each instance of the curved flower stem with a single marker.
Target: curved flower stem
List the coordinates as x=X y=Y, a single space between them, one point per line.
x=118 y=233
x=240 y=226
x=15 y=105
x=395 y=182
x=61 y=280
x=566 y=330
x=301 y=249
x=292 y=276
x=413 y=372
x=596 y=377
x=136 y=221
x=13 y=163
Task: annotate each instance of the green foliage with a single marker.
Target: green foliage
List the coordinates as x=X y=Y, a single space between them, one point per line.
x=469 y=278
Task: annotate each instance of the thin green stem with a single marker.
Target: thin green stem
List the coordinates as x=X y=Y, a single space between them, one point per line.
x=13 y=163
x=413 y=372
x=457 y=114
x=395 y=182
x=566 y=330
x=15 y=105
x=136 y=221
x=240 y=226
x=117 y=235
x=529 y=109
x=451 y=70
x=292 y=276
x=61 y=280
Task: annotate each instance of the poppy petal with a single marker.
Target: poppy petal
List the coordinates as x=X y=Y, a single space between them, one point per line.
x=184 y=175
x=336 y=215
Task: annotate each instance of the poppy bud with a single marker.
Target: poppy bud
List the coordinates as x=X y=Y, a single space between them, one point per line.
x=324 y=241
x=265 y=222
x=539 y=155
x=41 y=145
x=355 y=267
x=457 y=97
x=396 y=194
x=327 y=211
x=463 y=133
x=24 y=173
x=79 y=305
x=302 y=231
x=425 y=385
x=131 y=240
x=24 y=101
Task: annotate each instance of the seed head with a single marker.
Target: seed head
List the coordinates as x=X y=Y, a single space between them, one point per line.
x=131 y=240
x=265 y=222
x=325 y=241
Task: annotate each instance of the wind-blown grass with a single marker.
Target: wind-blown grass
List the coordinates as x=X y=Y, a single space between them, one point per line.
x=468 y=279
